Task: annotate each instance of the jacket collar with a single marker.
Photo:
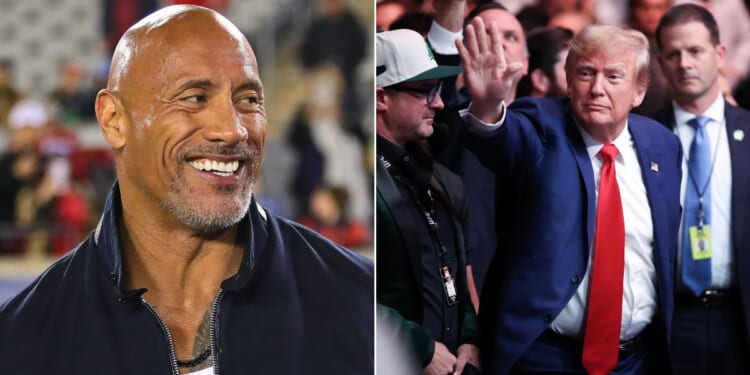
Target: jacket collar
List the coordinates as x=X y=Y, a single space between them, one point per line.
x=411 y=163
x=253 y=233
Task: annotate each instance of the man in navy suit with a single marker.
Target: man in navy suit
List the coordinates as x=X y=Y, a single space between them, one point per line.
x=710 y=333
x=558 y=258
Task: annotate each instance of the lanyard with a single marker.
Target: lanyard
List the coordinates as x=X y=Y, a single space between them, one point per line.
x=691 y=177
x=428 y=213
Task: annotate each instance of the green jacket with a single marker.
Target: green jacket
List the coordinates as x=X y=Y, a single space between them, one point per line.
x=399 y=271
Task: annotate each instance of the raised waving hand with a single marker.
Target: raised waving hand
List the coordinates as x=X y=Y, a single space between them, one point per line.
x=487 y=74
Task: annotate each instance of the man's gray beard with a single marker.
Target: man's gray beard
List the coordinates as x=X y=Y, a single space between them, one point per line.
x=214 y=218
x=202 y=221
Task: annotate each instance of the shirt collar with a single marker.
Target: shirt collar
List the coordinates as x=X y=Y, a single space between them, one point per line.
x=388 y=150
x=593 y=146
x=411 y=162
x=715 y=112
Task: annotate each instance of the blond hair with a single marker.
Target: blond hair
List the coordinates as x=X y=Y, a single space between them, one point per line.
x=607 y=39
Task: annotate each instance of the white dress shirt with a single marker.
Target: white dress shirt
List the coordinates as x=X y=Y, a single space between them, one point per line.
x=639 y=276
x=722 y=260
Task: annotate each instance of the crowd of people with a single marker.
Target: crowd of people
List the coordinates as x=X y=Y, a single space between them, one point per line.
x=574 y=182
x=49 y=183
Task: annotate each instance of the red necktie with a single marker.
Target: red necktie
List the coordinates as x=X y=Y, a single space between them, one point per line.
x=602 y=339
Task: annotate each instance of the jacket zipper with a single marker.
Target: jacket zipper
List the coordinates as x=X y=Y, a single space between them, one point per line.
x=213 y=327
x=172 y=354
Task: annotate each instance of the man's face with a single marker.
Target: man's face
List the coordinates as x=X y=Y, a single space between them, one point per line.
x=645 y=14
x=514 y=41
x=690 y=61
x=602 y=89
x=198 y=126
x=558 y=84
x=409 y=116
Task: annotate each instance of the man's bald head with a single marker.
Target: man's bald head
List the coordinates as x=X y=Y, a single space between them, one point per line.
x=184 y=97
x=144 y=46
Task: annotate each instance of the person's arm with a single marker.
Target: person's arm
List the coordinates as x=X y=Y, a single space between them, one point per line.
x=472 y=288
x=489 y=77
x=468 y=351
x=446 y=26
x=470 y=326
x=450 y=14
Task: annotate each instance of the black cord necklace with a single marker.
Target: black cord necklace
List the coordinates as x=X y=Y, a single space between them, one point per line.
x=197 y=360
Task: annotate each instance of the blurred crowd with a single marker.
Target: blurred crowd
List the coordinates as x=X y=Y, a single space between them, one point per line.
x=331 y=182
x=642 y=15
x=49 y=184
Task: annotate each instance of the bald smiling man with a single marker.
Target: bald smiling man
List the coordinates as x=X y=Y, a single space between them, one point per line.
x=185 y=273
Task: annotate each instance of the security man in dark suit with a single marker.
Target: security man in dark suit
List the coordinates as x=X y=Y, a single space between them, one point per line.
x=710 y=327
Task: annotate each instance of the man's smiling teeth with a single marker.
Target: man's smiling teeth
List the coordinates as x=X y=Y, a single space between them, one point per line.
x=218 y=167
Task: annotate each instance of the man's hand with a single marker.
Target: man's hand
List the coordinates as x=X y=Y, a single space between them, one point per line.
x=487 y=74
x=467 y=353
x=443 y=361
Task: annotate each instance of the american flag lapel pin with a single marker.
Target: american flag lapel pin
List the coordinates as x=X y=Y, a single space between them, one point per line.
x=654 y=167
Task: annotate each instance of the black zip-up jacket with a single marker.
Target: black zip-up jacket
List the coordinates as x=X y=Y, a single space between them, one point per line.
x=299 y=304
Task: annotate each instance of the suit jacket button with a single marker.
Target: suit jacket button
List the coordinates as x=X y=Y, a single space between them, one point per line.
x=547 y=318
x=575 y=279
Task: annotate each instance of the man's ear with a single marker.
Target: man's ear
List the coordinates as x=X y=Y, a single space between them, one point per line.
x=111 y=118
x=380 y=104
x=721 y=55
x=640 y=94
x=539 y=81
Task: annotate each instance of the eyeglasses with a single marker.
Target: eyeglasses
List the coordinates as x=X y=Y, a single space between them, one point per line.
x=428 y=92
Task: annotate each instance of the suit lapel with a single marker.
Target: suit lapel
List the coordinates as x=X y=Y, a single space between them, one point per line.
x=586 y=171
x=650 y=159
